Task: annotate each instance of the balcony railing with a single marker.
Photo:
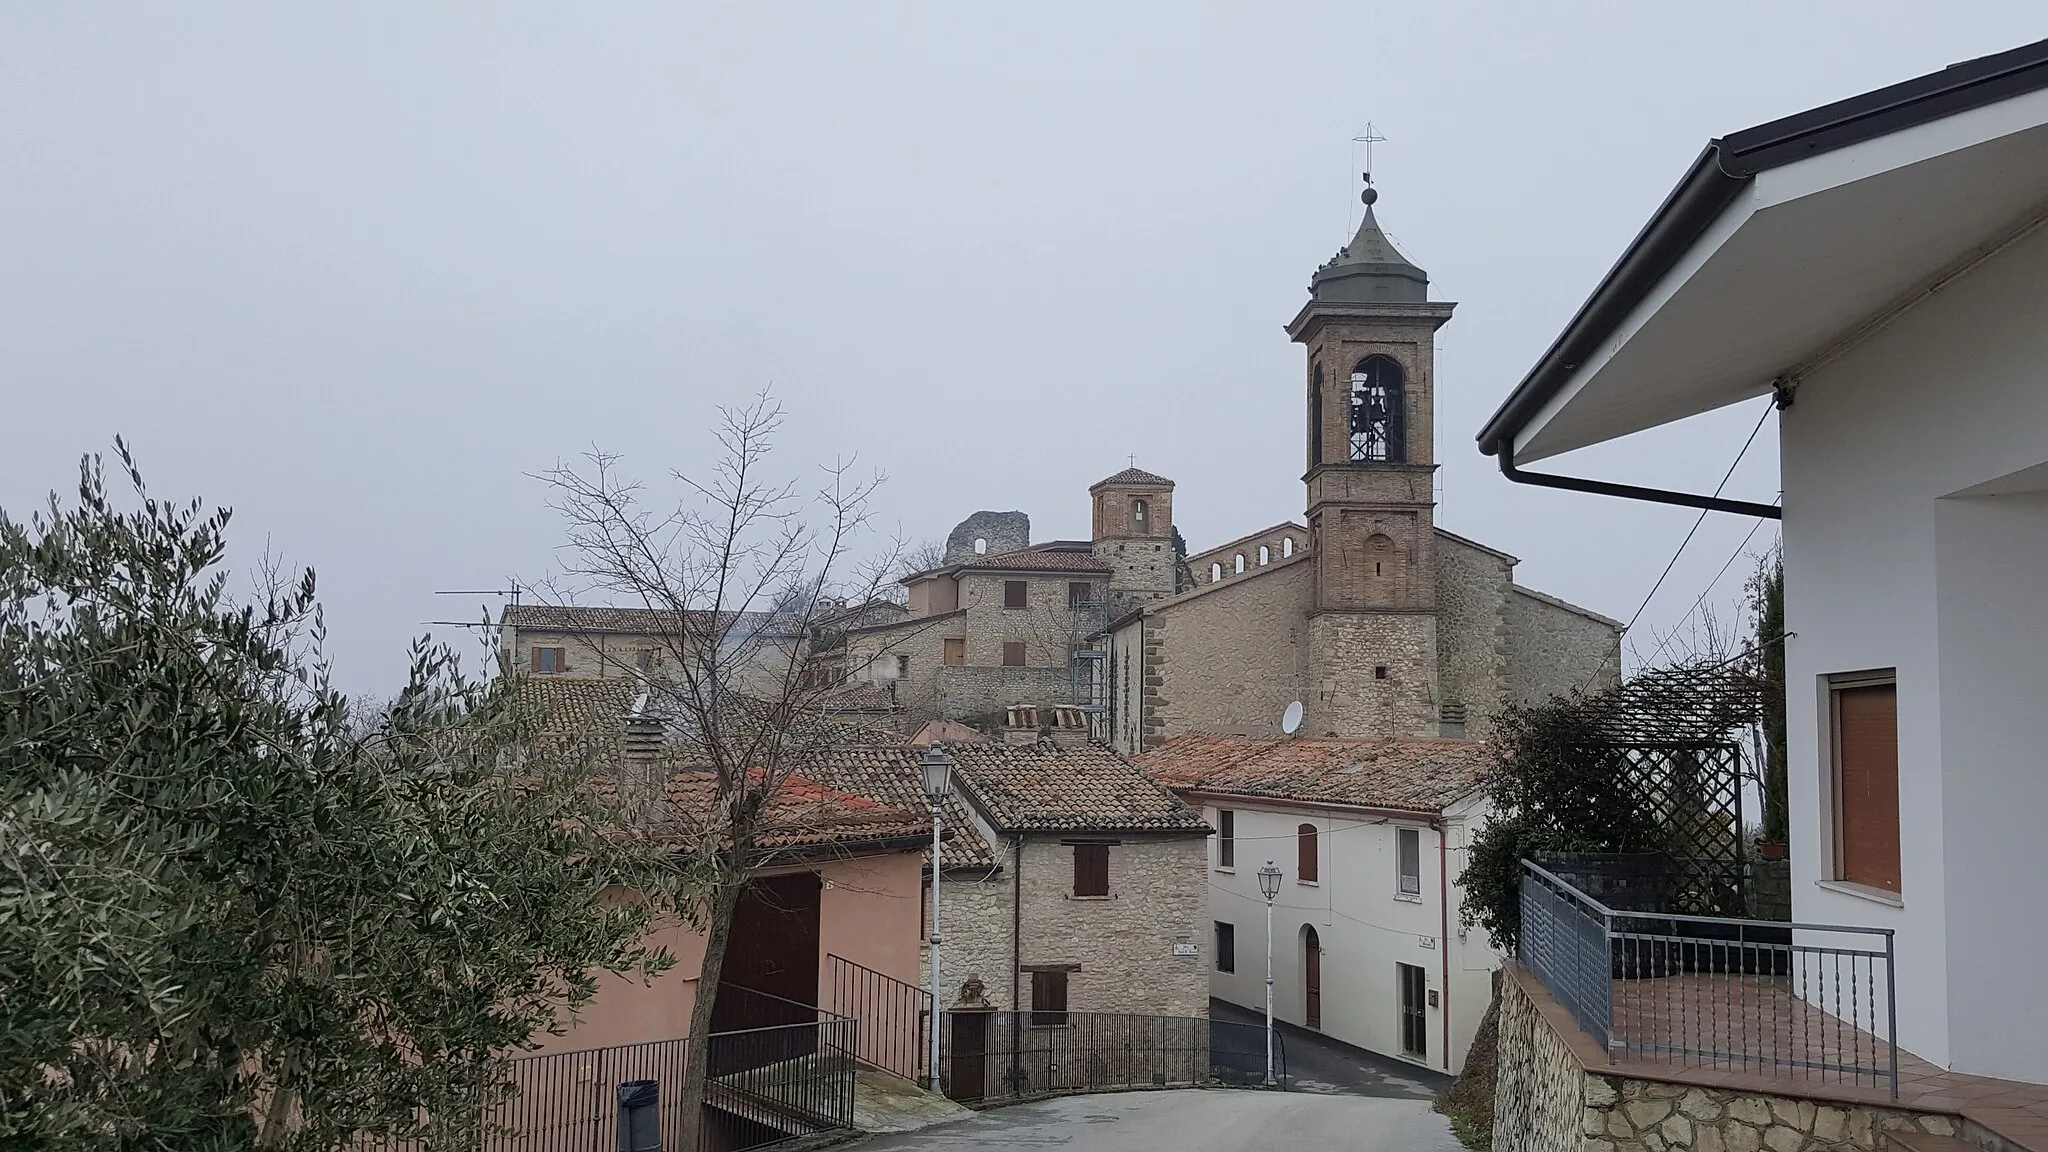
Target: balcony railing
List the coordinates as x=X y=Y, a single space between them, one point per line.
x=1813 y=1001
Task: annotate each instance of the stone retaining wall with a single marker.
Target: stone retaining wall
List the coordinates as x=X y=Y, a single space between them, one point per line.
x=1546 y=1101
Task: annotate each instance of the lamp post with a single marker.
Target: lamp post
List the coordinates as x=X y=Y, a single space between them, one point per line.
x=1269 y=886
x=938 y=781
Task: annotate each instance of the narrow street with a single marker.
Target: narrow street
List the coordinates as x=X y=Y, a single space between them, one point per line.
x=1191 y=1120
x=1318 y=1064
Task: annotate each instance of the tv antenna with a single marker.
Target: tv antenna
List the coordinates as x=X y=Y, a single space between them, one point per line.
x=1290 y=720
x=511 y=593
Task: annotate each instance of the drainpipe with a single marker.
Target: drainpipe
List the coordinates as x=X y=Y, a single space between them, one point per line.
x=1443 y=900
x=1016 y=960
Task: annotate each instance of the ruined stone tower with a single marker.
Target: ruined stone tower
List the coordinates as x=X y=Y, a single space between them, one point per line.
x=1370 y=330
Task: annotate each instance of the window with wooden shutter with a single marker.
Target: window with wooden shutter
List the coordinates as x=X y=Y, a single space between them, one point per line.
x=1864 y=718
x=1013 y=653
x=1408 y=847
x=550 y=659
x=1091 y=869
x=1226 y=838
x=1048 y=998
x=956 y=652
x=1016 y=594
x=1305 y=852
x=1226 y=947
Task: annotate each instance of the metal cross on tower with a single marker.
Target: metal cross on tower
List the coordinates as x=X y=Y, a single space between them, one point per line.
x=1368 y=138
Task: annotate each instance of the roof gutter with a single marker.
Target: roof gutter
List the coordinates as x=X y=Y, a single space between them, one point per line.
x=1630 y=491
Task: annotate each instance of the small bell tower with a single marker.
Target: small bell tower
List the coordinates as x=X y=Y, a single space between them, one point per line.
x=1369 y=327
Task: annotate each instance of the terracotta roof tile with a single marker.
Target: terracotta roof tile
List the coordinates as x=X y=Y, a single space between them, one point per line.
x=1047 y=787
x=892 y=776
x=807 y=814
x=1037 y=559
x=1411 y=775
x=856 y=696
x=1131 y=476
x=597 y=618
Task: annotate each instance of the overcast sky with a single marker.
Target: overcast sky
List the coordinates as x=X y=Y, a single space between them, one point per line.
x=357 y=270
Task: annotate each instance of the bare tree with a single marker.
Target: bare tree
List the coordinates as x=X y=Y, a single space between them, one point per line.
x=738 y=573
x=923 y=556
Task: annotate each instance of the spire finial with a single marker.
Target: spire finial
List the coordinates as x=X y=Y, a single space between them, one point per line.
x=1369 y=137
x=1134 y=459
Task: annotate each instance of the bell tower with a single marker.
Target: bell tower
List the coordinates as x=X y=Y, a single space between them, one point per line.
x=1370 y=330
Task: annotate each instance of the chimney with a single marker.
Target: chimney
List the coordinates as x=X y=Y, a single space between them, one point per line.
x=643 y=765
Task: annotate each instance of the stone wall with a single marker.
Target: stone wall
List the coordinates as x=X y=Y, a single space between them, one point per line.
x=963 y=692
x=757 y=665
x=1140 y=569
x=1120 y=947
x=1227 y=657
x=1471 y=632
x=1555 y=648
x=999 y=532
x=1348 y=698
x=1770 y=889
x=974 y=914
x=1545 y=1101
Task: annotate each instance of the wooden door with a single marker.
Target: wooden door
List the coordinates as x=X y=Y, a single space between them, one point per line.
x=1312 y=977
x=966 y=1067
x=773 y=950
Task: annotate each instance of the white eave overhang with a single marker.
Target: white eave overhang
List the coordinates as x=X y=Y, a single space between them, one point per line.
x=1805 y=260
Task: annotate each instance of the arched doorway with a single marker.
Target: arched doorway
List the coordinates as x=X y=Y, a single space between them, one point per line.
x=1312 y=977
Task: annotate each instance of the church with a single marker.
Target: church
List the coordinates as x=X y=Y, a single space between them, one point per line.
x=1378 y=622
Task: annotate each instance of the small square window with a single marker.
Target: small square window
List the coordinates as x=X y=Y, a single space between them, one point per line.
x=1226 y=947
x=1379 y=672
x=1013 y=654
x=644 y=660
x=956 y=652
x=1016 y=594
x=550 y=660
x=1079 y=592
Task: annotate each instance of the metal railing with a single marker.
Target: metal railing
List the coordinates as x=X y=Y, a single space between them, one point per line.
x=766 y=1085
x=1816 y=1001
x=892 y=1015
x=1003 y=1055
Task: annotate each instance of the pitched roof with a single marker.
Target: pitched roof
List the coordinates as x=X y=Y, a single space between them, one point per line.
x=1039 y=557
x=1047 y=787
x=807 y=814
x=1410 y=775
x=1132 y=476
x=856 y=696
x=892 y=775
x=596 y=618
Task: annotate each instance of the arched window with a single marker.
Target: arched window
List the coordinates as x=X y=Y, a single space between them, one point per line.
x=980 y=546
x=1138 y=518
x=1376 y=409
x=1215 y=573
x=1286 y=546
x=1240 y=561
x=1315 y=418
x=1305 y=853
x=1265 y=554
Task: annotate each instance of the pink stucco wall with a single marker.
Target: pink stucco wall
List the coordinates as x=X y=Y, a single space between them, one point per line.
x=869 y=912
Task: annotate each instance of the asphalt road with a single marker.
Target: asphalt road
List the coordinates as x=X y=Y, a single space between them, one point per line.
x=1189 y=1120
x=1316 y=1063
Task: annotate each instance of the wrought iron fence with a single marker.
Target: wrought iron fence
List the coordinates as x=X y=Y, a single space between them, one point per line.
x=893 y=1015
x=997 y=1055
x=1813 y=1001
x=766 y=1085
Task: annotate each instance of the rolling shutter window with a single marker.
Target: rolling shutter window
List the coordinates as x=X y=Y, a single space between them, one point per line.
x=1305 y=846
x=1410 y=851
x=1091 y=869
x=1866 y=737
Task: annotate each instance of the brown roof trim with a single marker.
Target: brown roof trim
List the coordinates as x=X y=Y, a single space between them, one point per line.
x=1212 y=796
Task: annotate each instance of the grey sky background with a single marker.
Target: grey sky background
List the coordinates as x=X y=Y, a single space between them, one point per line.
x=356 y=270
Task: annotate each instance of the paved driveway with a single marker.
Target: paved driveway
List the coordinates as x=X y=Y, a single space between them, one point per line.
x=1189 y=1120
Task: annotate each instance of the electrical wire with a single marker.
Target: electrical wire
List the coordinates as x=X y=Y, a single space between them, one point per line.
x=1711 y=585
x=1673 y=562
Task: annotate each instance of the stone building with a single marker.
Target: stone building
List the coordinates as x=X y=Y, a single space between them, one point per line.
x=1379 y=622
x=1005 y=622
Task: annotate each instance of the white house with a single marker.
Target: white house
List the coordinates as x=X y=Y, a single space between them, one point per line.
x=1881 y=265
x=1369 y=837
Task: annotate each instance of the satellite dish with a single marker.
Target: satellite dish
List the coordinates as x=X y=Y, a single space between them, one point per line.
x=1290 y=720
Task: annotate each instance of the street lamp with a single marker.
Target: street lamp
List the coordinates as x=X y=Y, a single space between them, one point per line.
x=938 y=782
x=1269 y=885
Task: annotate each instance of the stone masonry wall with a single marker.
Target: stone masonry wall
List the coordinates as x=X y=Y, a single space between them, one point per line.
x=1121 y=946
x=974 y=914
x=1346 y=696
x=1228 y=658
x=1545 y=1101
x=1554 y=649
x=965 y=692
x=1471 y=631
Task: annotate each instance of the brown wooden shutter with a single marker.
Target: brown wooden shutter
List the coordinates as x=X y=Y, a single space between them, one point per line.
x=1305 y=843
x=1016 y=594
x=1048 y=997
x=1226 y=838
x=1091 y=869
x=1013 y=654
x=1867 y=764
x=956 y=652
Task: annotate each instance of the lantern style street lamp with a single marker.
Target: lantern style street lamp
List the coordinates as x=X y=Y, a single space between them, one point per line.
x=1269 y=886
x=938 y=783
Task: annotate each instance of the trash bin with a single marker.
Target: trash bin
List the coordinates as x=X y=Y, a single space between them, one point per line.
x=640 y=1116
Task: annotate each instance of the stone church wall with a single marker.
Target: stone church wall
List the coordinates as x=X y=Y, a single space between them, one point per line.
x=1471 y=632
x=1228 y=658
x=1556 y=648
x=1348 y=698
